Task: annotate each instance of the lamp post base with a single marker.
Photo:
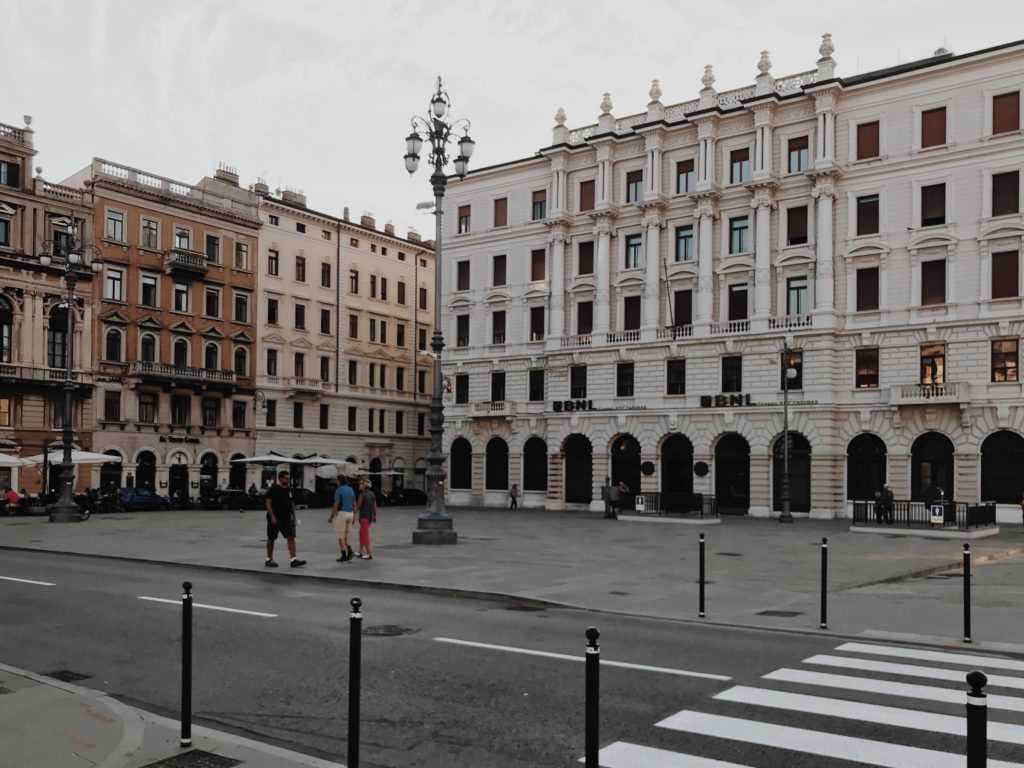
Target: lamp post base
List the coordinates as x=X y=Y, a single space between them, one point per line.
x=785 y=517
x=434 y=530
x=60 y=513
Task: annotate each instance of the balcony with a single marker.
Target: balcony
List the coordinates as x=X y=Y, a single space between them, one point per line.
x=494 y=408
x=789 y=321
x=163 y=371
x=623 y=337
x=307 y=385
x=733 y=326
x=11 y=373
x=674 y=332
x=575 y=342
x=928 y=394
x=185 y=263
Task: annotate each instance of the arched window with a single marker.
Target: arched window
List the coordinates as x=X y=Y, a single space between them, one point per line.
x=112 y=350
x=181 y=353
x=799 y=472
x=148 y=350
x=57 y=338
x=626 y=465
x=865 y=467
x=932 y=468
x=578 y=469
x=496 y=476
x=1002 y=457
x=110 y=473
x=535 y=465
x=732 y=475
x=211 y=357
x=145 y=472
x=6 y=330
x=241 y=362
x=207 y=474
x=461 y=463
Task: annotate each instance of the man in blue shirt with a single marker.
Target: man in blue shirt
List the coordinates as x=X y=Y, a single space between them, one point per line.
x=341 y=516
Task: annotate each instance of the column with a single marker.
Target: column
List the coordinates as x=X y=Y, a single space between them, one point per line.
x=558 y=189
x=705 y=253
x=556 y=323
x=763 y=142
x=652 y=169
x=762 y=254
x=824 y=283
x=602 y=308
x=652 y=266
x=604 y=177
x=706 y=134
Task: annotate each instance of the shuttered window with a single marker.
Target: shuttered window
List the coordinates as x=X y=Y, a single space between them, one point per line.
x=501 y=212
x=739 y=166
x=537 y=265
x=584 y=317
x=1006 y=112
x=933 y=205
x=867 y=289
x=499 y=270
x=586 y=258
x=799 y=157
x=867 y=140
x=463 y=219
x=933 y=127
x=684 y=176
x=540 y=205
x=683 y=308
x=462 y=280
x=1005 y=193
x=867 y=215
x=796 y=225
x=631 y=313
x=587 y=195
x=1005 y=274
x=933 y=282
x=738 y=302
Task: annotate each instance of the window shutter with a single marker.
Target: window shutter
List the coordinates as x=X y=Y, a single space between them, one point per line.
x=499 y=323
x=634 y=177
x=867 y=140
x=463 y=211
x=537 y=265
x=867 y=289
x=933 y=127
x=683 y=308
x=1005 y=193
x=933 y=282
x=796 y=225
x=684 y=166
x=499 y=270
x=540 y=196
x=867 y=215
x=1005 y=274
x=739 y=155
x=587 y=195
x=586 y=265
x=584 y=317
x=1006 y=112
x=933 y=205
x=631 y=313
x=463 y=276
x=501 y=212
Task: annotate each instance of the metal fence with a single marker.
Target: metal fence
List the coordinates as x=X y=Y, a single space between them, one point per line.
x=670 y=503
x=956 y=515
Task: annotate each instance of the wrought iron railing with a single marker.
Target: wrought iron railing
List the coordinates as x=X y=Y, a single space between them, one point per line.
x=956 y=515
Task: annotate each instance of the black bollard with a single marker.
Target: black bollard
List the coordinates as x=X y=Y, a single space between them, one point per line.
x=700 y=606
x=977 y=721
x=186 y=665
x=824 y=584
x=967 y=593
x=593 y=690
x=354 y=661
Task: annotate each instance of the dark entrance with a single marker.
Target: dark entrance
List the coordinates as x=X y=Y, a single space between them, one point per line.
x=177 y=485
x=732 y=475
x=110 y=473
x=461 y=463
x=1002 y=468
x=145 y=472
x=375 y=476
x=207 y=474
x=496 y=471
x=626 y=465
x=535 y=465
x=932 y=468
x=676 y=466
x=236 y=476
x=579 y=470
x=865 y=466
x=799 y=473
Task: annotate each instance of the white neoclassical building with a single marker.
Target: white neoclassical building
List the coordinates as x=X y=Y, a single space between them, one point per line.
x=618 y=304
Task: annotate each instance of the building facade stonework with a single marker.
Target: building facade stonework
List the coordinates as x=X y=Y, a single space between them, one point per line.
x=620 y=302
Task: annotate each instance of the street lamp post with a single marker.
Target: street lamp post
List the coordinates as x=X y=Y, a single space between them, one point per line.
x=77 y=258
x=439 y=128
x=789 y=373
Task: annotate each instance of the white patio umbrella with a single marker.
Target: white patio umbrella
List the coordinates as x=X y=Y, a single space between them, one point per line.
x=6 y=460
x=273 y=457
x=56 y=456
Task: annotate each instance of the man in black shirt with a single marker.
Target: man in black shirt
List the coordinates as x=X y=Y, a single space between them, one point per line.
x=281 y=519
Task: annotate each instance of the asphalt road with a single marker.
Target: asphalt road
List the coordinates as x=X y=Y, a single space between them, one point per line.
x=283 y=677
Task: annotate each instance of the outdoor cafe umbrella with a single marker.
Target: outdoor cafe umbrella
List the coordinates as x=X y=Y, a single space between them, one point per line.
x=56 y=457
x=6 y=460
x=273 y=457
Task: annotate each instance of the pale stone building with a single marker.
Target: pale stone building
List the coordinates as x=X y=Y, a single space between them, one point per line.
x=617 y=304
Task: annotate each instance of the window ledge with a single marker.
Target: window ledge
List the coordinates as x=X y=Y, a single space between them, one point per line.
x=866 y=161
x=996 y=136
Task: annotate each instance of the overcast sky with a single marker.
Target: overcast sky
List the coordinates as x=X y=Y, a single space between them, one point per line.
x=317 y=94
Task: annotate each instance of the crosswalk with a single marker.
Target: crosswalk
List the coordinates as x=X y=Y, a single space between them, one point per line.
x=861 y=704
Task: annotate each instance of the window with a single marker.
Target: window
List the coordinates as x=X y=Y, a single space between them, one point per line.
x=401 y=293
x=501 y=212
x=271 y=362
x=400 y=378
x=181 y=353
x=1005 y=193
x=241 y=362
x=271 y=413
x=631 y=313
x=732 y=373
x=462 y=331
x=634 y=186
x=867 y=140
x=585 y=258
x=498 y=327
x=354 y=242
x=423 y=298
x=421 y=423
x=380 y=420
x=867 y=215
x=498 y=387
x=113 y=345
x=272 y=311
x=148 y=348
x=57 y=339
x=325 y=320
x=5 y=411
x=297 y=415
x=241 y=255
x=353 y=281
x=211 y=306
x=112 y=406
x=400 y=335
x=675 y=377
x=933 y=282
x=275 y=220
x=325 y=234
x=578 y=382
x=587 y=195
x=634 y=251
x=739 y=234
x=537 y=264
x=5 y=232
x=796 y=362
x=351 y=418
x=241 y=307
x=369 y=420
x=585 y=318
x=325 y=415
x=535 y=385
x=682 y=307
x=183 y=238
x=147 y=408
x=273 y=262
x=353 y=326
x=933 y=205
x=540 y=205
x=300 y=317
x=739 y=166
x=149 y=291
x=299 y=227
x=933 y=364
x=624 y=380
x=399 y=422
x=933 y=127
x=463 y=219
x=300 y=269
x=498 y=270
x=210 y=408
x=383 y=331
x=383 y=289
x=373 y=286
x=796 y=225
x=325 y=274
x=797 y=302
x=462 y=388
x=537 y=330
x=238 y=413
x=867 y=289
x=9 y=174
x=1004 y=359
x=1006 y=112
x=181 y=410
x=150 y=234
x=113 y=285
x=213 y=248
x=180 y=297
x=799 y=157
x=421 y=342
x=684 y=177
x=1005 y=274
x=353 y=372
x=461 y=276
x=738 y=302
x=684 y=243
x=421 y=381
x=115 y=226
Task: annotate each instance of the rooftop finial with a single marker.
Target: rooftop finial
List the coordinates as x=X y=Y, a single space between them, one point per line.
x=826 y=49
x=765 y=64
x=39 y=171
x=606 y=104
x=27 y=119
x=560 y=116
x=655 y=92
x=709 y=76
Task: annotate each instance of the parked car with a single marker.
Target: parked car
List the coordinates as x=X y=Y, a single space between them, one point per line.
x=230 y=498
x=142 y=500
x=407 y=497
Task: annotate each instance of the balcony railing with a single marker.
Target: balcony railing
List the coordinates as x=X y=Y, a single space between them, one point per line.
x=12 y=134
x=949 y=392
x=189 y=262
x=622 y=337
x=675 y=332
x=573 y=342
x=312 y=385
x=494 y=408
x=166 y=371
x=20 y=372
x=789 y=321
x=733 y=326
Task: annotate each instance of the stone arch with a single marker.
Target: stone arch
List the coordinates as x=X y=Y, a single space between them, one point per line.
x=535 y=464
x=625 y=454
x=145 y=468
x=111 y=472
x=460 y=464
x=1002 y=467
x=579 y=468
x=732 y=473
x=933 y=467
x=866 y=466
x=799 y=472
x=496 y=465
x=676 y=452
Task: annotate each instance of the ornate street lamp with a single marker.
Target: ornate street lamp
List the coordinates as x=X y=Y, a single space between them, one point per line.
x=74 y=258
x=790 y=373
x=440 y=129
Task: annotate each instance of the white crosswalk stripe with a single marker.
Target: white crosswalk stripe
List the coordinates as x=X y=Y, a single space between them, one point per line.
x=945 y=657
x=624 y=755
x=908 y=670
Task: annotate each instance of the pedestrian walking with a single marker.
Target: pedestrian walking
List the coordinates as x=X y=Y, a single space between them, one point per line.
x=366 y=509
x=614 y=498
x=281 y=519
x=514 y=495
x=623 y=496
x=888 y=502
x=879 y=507
x=341 y=515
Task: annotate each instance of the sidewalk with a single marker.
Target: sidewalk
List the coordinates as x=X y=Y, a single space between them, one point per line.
x=51 y=724
x=887 y=585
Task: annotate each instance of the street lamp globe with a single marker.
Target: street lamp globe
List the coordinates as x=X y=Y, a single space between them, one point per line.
x=412 y=163
x=413 y=144
x=466 y=146
x=45 y=260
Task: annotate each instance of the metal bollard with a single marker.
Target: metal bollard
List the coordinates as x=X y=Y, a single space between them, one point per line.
x=700 y=607
x=593 y=690
x=824 y=584
x=977 y=720
x=186 y=665
x=967 y=593
x=354 y=661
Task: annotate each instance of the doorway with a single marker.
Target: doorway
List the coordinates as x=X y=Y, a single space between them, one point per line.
x=732 y=475
x=579 y=470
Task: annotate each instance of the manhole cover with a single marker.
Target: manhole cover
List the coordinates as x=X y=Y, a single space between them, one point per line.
x=67 y=676
x=784 y=614
x=525 y=608
x=195 y=758
x=388 y=630
x=729 y=554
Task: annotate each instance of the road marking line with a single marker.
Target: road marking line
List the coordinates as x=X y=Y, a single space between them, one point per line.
x=909 y=670
x=988 y=662
x=872 y=713
x=567 y=657
x=210 y=607
x=29 y=581
x=906 y=690
x=621 y=754
x=877 y=753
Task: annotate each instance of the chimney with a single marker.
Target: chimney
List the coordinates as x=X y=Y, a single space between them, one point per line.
x=295 y=197
x=227 y=174
x=344 y=214
x=368 y=221
x=389 y=228
x=414 y=236
x=261 y=188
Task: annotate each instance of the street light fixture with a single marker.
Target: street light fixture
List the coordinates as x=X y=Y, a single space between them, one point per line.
x=440 y=130
x=790 y=373
x=75 y=259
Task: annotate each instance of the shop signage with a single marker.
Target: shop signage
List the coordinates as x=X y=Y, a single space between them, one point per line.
x=572 y=405
x=173 y=439
x=725 y=401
